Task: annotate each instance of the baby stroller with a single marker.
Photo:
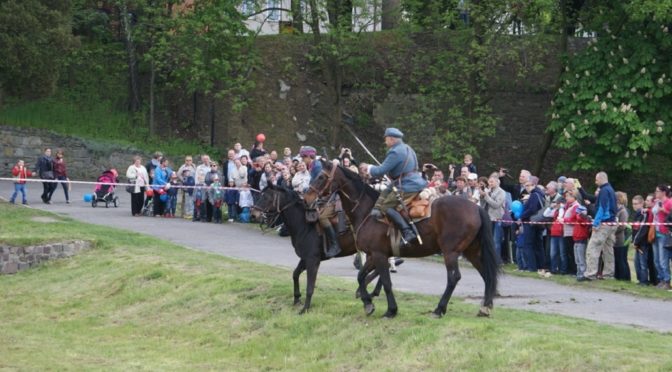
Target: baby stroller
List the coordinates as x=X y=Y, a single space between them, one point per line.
x=104 y=193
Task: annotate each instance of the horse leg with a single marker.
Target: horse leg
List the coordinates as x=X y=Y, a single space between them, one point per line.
x=473 y=255
x=379 y=284
x=371 y=275
x=311 y=267
x=369 y=308
x=295 y=276
x=453 y=276
x=382 y=266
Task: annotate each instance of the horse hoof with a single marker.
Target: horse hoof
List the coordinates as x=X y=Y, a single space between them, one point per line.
x=484 y=311
x=369 y=309
x=297 y=302
x=437 y=314
x=303 y=311
x=389 y=314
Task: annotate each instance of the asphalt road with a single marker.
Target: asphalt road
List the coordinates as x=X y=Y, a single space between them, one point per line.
x=420 y=276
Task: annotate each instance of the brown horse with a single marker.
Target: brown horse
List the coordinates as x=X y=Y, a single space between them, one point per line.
x=457 y=226
x=278 y=201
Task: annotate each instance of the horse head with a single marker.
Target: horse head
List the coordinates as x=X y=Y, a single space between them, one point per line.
x=272 y=201
x=324 y=184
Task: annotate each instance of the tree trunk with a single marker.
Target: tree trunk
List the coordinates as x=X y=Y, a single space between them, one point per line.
x=566 y=28
x=134 y=104
x=212 y=121
x=152 y=82
x=297 y=16
x=340 y=14
x=315 y=21
x=391 y=14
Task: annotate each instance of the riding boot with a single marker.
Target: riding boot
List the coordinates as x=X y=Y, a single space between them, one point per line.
x=407 y=233
x=333 y=248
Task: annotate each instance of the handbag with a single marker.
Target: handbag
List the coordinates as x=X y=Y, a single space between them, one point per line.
x=540 y=216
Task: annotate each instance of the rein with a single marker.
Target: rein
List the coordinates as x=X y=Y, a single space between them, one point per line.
x=278 y=209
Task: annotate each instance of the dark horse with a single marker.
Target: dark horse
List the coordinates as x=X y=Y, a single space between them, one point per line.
x=457 y=226
x=305 y=238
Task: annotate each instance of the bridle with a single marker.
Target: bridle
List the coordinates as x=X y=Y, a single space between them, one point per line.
x=275 y=212
x=327 y=186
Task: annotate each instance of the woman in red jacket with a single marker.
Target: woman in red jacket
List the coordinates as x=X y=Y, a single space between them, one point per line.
x=61 y=173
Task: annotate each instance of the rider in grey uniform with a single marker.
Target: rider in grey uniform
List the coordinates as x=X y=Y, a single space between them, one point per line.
x=401 y=166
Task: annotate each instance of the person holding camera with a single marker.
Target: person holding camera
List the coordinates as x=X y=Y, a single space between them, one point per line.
x=347 y=160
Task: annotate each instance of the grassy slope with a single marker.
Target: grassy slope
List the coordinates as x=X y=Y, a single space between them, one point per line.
x=95 y=120
x=137 y=302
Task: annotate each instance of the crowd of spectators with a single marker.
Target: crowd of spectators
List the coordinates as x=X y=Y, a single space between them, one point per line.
x=561 y=228
x=558 y=228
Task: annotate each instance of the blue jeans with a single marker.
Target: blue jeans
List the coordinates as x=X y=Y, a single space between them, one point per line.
x=497 y=236
x=65 y=186
x=661 y=257
x=19 y=188
x=580 y=257
x=233 y=211
x=558 y=255
x=533 y=248
x=520 y=241
x=641 y=264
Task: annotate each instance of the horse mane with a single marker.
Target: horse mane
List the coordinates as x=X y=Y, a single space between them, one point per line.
x=292 y=196
x=359 y=183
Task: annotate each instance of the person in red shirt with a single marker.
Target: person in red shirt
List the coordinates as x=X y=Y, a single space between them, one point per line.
x=20 y=173
x=578 y=214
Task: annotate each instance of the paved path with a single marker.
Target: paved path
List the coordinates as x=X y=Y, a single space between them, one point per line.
x=421 y=276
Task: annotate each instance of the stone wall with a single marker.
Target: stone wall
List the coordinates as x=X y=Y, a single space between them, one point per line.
x=85 y=159
x=14 y=259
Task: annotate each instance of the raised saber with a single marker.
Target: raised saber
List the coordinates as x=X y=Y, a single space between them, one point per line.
x=394 y=188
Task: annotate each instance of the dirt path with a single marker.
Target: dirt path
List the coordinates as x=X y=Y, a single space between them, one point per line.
x=421 y=276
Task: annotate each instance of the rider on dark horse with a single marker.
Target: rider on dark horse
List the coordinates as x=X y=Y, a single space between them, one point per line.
x=401 y=166
x=308 y=155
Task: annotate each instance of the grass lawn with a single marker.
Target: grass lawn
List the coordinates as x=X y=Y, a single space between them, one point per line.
x=135 y=302
x=94 y=120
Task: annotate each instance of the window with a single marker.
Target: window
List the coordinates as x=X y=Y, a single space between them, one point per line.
x=273 y=15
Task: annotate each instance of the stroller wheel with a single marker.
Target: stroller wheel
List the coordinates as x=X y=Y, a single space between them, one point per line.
x=116 y=201
x=94 y=203
x=107 y=205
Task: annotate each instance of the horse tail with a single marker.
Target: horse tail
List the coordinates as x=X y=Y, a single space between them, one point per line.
x=489 y=261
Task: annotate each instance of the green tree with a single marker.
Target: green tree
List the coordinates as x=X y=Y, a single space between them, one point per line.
x=613 y=108
x=457 y=68
x=210 y=51
x=35 y=36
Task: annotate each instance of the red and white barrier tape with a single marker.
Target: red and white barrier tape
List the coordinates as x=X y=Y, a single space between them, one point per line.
x=588 y=223
x=39 y=180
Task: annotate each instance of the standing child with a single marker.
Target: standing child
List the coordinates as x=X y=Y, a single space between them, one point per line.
x=245 y=201
x=216 y=198
x=172 y=191
x=640 y=239
x=188 y=181
x=20 y=173
x=231 y=198
x=578 y=214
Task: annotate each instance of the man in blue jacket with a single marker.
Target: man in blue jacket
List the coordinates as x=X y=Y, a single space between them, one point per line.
x=401 y=166
x=533 y=244
x=604 y=236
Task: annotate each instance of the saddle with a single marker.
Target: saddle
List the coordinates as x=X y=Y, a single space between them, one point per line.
x=420 y=207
